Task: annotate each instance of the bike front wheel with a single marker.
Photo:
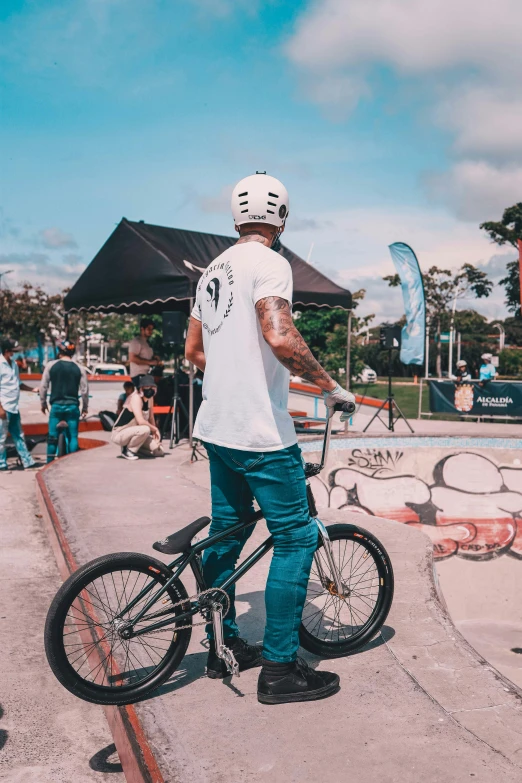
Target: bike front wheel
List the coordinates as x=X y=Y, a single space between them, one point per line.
x=85 y=639
x=334 y=625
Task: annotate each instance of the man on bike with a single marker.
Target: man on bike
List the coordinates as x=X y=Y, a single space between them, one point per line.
x=68 y=381
x=242 y=336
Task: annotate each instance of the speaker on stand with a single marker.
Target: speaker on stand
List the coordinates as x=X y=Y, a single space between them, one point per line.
x=174 y=329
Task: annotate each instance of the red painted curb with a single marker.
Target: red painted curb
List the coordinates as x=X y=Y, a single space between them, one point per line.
x=136 y=756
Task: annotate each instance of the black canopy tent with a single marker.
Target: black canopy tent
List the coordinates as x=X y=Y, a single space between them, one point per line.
x=148 y=269
x=143 y=268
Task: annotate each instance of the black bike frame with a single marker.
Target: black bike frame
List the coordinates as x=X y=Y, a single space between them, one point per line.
x=190 y=558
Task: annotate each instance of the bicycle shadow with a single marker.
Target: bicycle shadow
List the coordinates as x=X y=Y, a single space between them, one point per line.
x=251 y=624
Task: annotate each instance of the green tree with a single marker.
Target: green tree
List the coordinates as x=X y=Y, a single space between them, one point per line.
x=507 y=232
x=441 y=288
x=30 y=313
x=326 y=333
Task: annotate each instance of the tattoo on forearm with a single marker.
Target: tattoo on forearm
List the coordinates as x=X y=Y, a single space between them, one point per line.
x=275 y=318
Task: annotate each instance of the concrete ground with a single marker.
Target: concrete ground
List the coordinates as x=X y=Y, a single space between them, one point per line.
x=417 y=704
x=46 y=734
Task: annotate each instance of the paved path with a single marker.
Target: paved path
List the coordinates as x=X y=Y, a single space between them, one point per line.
x=46 y=735
x=417 y=704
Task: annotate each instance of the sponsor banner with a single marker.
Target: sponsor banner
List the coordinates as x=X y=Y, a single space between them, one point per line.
x=493 y=398
x=413 y=334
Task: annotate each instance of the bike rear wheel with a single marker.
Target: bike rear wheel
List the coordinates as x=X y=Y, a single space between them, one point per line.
x=61 y=448
x=333 y=625
x=83 y=641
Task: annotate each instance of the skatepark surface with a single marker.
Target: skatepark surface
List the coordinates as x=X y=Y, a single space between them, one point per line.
x=418 y=703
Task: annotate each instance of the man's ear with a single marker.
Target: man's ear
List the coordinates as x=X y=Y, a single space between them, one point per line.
x=236 y=228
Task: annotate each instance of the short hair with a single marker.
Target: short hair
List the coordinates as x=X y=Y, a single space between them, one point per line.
x=8 y=345
x=127 y=384
x=146 y=322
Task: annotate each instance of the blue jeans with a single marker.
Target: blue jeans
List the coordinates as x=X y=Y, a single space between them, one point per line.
x=13 y=424
x=69 y=412
x=276 y=480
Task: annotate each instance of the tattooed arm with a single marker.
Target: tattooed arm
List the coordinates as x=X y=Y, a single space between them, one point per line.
x=194 y=344
x=287 y=343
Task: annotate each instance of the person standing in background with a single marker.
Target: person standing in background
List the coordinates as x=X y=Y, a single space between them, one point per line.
x=487 y=368
x=10 y=420
x=68 y=380
x=141 y=354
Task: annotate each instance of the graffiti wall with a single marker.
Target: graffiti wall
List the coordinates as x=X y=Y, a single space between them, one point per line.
x=468 y=502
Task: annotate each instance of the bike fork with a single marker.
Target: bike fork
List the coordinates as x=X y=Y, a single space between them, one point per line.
x=222 y=651
x=334 y=571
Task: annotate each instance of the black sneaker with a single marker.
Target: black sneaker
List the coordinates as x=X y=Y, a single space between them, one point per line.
x=280 y=683
x=247 y=655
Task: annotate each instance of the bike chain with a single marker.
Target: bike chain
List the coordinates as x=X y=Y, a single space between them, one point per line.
x=187 y=600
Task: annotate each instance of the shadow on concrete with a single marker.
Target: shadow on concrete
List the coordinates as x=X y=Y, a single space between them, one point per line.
x=102 y=762
x=251 y=624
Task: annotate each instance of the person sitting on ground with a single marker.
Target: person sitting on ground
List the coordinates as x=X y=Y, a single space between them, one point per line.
x=135 y=429
x=242 y=336
x=10 y=420
x=68 y=380
x=141 y=354
x=462 y=373
x=487 y=368
x=128 y=388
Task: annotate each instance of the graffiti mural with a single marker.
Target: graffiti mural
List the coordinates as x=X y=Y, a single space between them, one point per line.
x=468 y=505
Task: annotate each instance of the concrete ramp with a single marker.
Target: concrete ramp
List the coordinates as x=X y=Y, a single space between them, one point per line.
x=466 y=495
x=417 y=704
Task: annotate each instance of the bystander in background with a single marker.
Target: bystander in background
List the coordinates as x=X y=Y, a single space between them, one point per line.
x=10 y=420
x=135 y=429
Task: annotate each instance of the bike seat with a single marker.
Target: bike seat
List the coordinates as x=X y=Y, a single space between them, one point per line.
x=180 y=541
x=62 y=425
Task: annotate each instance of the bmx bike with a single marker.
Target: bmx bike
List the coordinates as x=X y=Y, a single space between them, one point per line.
x=119 y=626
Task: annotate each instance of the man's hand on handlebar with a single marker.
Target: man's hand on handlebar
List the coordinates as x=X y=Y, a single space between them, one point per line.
x=337 y=397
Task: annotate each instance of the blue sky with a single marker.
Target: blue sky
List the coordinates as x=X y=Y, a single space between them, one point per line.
x=383 y=127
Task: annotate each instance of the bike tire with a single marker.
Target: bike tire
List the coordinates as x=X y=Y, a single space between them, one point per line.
x=365 y=568
x=61 y=448
x=83 y=606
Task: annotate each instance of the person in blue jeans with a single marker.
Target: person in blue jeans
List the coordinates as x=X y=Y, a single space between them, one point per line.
x=242 y=336
x=68 y=381
x=10 y=420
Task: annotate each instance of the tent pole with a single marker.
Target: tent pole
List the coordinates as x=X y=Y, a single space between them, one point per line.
x=348 y=352
x=191 y=390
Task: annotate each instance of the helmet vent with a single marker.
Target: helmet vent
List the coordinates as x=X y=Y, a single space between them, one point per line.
x=240 y=195
x=242 y=203
x=244 y=210
x=270 y=211
x=274 y=195
x=271 y=204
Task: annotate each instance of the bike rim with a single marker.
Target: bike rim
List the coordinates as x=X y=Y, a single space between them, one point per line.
x=94 y=649
x=335 y=620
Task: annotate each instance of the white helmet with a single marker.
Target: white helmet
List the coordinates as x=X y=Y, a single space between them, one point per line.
x=461 y=363
x=486 y=356
x=260 y=199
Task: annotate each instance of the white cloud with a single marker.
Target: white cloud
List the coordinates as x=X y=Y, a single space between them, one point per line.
x=351 y=247
x=476 y=190
x=39 y=269
x=219 y=203
x=55 y=238
x=413 y=36
x=467 y=56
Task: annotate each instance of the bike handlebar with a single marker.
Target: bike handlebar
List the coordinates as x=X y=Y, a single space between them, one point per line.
x=345 y=407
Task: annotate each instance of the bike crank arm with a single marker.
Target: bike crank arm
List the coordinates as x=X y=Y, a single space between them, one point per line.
x=222 y=651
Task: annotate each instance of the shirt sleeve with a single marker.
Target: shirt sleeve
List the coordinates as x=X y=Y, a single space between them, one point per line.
x=135 y=346
x=196 y=310
x=273 y=277
x=84 y=388
x=44 y=383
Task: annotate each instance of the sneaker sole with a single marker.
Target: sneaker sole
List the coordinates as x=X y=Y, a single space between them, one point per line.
x=214 y=675
x=285 y=698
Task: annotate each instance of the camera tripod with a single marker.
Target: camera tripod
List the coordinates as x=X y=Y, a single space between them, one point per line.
x=176 y=433
x=394 y=412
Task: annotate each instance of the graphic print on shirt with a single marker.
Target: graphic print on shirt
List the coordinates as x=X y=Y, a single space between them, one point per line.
x=216 y=296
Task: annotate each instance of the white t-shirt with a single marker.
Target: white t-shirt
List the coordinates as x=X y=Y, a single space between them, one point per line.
x=245 y=388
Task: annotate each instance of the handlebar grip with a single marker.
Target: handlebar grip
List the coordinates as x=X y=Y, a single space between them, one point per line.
x=345 y=407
